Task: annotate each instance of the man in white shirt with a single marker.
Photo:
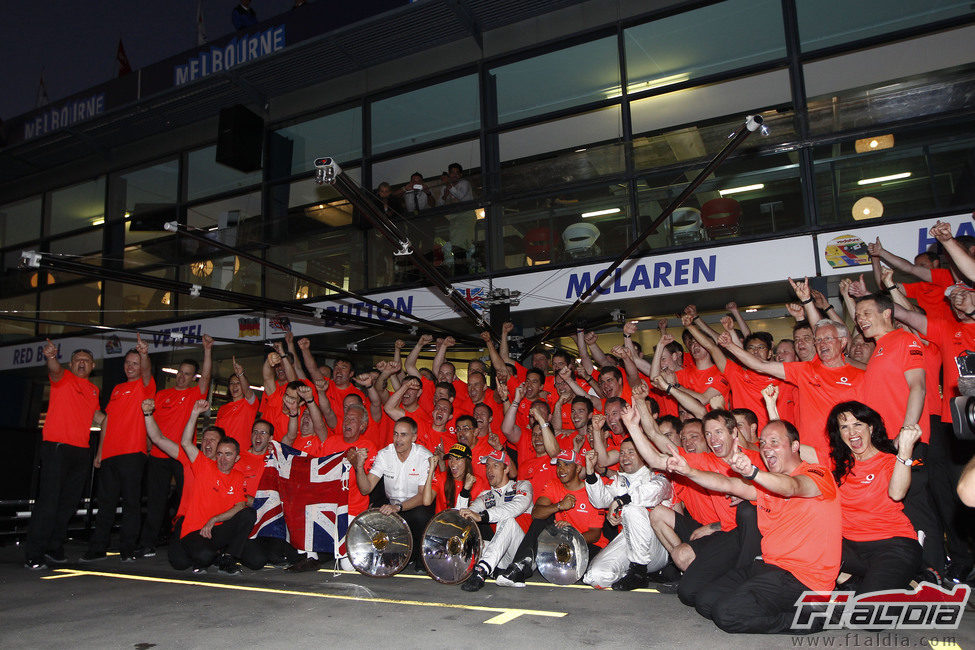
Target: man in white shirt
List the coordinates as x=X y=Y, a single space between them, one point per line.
x=403 y=466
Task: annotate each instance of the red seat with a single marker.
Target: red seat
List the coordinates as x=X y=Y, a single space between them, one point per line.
x=538 y=244
x=721 y=217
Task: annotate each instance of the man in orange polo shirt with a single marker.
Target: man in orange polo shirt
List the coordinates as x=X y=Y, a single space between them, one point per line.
x=563 y=501
x=121 y=457
x=801 y=524
x=173 y=406
x=65 y=454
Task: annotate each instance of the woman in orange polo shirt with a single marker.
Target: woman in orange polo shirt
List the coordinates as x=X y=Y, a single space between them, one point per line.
x=880 y=546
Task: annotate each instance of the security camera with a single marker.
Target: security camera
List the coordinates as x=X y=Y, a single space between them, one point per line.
x=326 y=169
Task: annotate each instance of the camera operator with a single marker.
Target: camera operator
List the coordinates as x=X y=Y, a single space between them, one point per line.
x=416 y=194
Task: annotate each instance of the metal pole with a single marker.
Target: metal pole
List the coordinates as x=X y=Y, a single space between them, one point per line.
x=752 y=123
x=173 y=226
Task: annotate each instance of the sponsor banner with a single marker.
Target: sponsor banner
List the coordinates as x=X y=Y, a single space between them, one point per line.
x=707 y=268
x=845 y=251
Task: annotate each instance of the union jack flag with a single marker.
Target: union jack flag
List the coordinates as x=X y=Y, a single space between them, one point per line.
x=475 y=297
x=304 y=500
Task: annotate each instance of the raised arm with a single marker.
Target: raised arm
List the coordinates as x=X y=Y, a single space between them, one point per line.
x=245 y=387
x=267 y=372
x=898 y=263
x=289 y=341
x=324 y=406
x=597 y=354
x=551 y=444
x=732 y=308
x=667 y=382
x=188 y=441
x=414 y=354
x=650 y=451
x=508 y=426
x=392 y=405
x=441 y=355
x=677 y=464
x=802 y=292
x=773 y=368
x=306 y=395
x=900 y=479
x=584 y=357
x=605 y=457
x=143 y=349
x=642 y=365
x=314 y=374
x=206 y=370
x=155 y=435
x=720 y=360
x=365 y=481
x=55 y=371
x=958 y=253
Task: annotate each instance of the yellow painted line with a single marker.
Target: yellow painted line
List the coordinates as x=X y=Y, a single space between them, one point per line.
x=68 y=573
x=502 y=614
x=532 y=584
x=947 y=645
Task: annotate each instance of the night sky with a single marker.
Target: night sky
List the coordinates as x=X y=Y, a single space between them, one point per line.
x=74 y=43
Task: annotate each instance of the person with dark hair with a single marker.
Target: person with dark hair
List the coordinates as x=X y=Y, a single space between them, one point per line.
x=215 y=521
x=785 y=351
x=800 y=520
x=390 y=203
x=747 y=427
x=173 y=406
x=403 y=467
x=457 y=486
x=929 y=292
x=65 y=454
x=804 y=341
x=456 y=188
x=251 y=463
x=416 y=194
x=563 y=501
x=121 y=456
x=236 y=417
x=880 y=546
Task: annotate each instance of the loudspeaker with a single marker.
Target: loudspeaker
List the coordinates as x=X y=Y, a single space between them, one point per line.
x=240 y=138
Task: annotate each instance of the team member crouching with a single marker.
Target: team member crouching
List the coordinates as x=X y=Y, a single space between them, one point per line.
x=799 y=518
x=563 y=502
x=500 y=505
x=627 y=560
x=880 y=547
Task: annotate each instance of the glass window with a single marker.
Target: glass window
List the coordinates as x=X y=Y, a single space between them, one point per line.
x=572 y=226
x=453 y=243
x=334 y=256
x=747 y=195
x=205 y=176
x=77 y=303
x=909 y=176
x=576 y=75
x=294 y=149
x=26 y=305
x=426 y=114
x=20 y=221
x=878 y=66
x=822 y=25
x=86 y=248
x=708 y=102
x=234 y=220
x=570 y=156
x=431 y=164
x=146 y=199
x=710 y=40
x=227 y=272
x=129 y=303
x=78 y=206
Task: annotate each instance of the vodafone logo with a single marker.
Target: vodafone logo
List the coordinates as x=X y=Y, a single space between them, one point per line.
x=868 y=479
x=843 y=381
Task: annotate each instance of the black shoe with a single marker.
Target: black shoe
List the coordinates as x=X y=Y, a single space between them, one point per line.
x=56 y=557
x=670 y=573
x=475 y=581
x=35 y=564
x=635 y=578
x=145 y=551
x=198 y=570
x=305 y=564
x=957 y=572
x=93 y=556
x=128 y=557
x=228 y=565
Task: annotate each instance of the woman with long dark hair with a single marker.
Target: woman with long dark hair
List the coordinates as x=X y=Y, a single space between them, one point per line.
x=880 y=546
x=453 y=488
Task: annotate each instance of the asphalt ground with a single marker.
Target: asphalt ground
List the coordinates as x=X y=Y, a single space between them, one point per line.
x=145 y=604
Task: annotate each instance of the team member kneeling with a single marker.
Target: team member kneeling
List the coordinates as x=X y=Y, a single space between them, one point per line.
x=799 y=518
x=880 y=547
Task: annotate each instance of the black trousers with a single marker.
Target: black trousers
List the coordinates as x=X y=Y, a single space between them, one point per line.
x=715 y=554
x=920 y=509
x=64 y=469
x=195 y=550
x=119 y=476
x=417 y=519
x=759 y=598
x=881 y=564
x=160 y=473
x=261 y=551
x=946 y=458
